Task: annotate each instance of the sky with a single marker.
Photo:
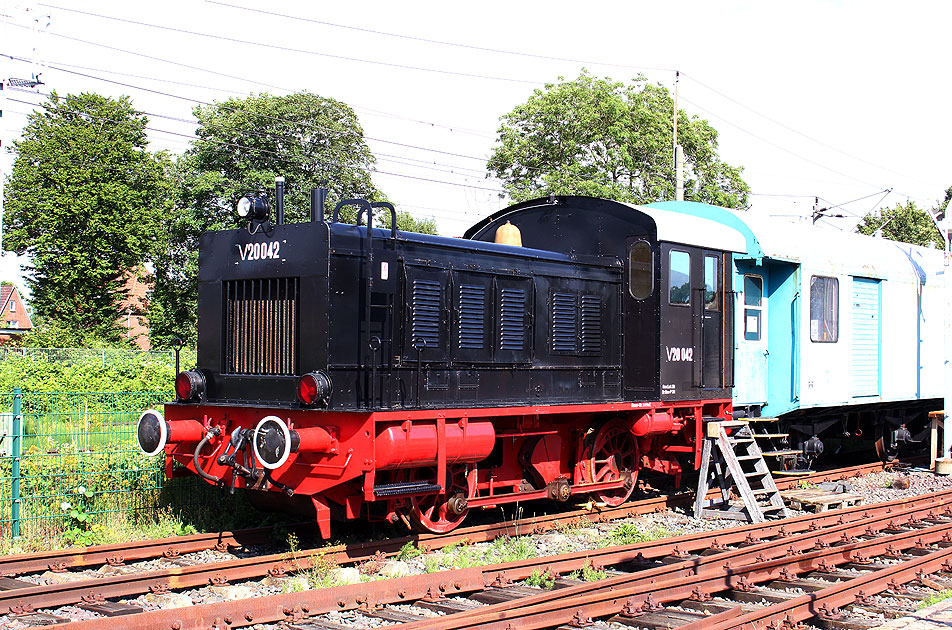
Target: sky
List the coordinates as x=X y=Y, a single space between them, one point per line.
x=838 y=101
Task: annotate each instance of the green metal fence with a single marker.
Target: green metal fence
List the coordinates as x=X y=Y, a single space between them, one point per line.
x=68 y=460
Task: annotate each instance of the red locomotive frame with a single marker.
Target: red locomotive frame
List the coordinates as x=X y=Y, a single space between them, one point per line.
x=429 y=467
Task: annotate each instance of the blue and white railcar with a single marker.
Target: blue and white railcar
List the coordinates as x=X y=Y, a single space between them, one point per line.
x=834 y=331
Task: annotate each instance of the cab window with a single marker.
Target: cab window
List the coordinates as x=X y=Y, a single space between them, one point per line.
x=640 y=270
x=679 y=277
x=710 y=283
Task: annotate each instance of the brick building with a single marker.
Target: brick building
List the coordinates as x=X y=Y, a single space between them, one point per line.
x=14 y=320
x=132 y=311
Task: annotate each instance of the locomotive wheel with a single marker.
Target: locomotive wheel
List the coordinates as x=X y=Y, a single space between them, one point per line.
x=438 y=513
x=612 y=454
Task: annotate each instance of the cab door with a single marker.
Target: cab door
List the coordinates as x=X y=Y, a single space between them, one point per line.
x=681 y=310
x=710 y=307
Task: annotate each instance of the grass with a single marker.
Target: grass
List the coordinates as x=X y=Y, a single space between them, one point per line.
x=631 y=533
x=409 y=551
x=117 y=527
x=934 y=599
x=464 y=556
x=541 y=580
x=588 y=573
x=315 y=568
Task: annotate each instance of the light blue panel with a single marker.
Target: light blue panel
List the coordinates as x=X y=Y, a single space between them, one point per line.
x=750 y=348
x=715 y=213
x=866 y=337
x=783 y=394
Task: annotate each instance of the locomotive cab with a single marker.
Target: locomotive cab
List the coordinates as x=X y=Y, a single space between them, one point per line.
x=677 y=324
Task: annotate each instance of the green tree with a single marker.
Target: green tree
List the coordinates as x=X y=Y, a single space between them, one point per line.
x=606 y=139
x=905 y=223
x=83 y=201
x=242 y=145
x=944 y=204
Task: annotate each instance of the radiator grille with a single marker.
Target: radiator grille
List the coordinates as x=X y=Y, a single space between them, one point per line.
x=512 y=319
x=260 y=326
x=472 y=309
x=564 y=323
x=426 y=303
x=591 y=324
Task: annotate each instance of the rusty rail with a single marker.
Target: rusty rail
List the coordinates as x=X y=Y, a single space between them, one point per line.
x=804 y=532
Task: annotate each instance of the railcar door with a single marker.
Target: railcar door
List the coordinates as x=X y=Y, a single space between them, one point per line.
x=750 y=387
x=711 y=309
x=867 y=333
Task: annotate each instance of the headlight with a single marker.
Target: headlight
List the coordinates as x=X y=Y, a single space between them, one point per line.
x=253 y=207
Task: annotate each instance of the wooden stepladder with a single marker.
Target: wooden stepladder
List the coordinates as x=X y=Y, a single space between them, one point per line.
x=731 y=458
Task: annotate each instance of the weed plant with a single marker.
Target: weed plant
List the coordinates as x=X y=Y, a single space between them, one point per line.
x=935 y=598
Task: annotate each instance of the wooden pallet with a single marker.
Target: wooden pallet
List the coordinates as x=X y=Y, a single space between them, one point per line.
x=812 y=500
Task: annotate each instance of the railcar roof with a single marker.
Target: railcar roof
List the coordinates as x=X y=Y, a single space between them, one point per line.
x=821 y=249
x=700 y=231
x=579 y=223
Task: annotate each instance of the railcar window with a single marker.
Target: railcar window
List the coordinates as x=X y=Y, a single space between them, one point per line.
x=679 y=277
x=710 y=283
x=753 y=307
x=640 y=270
x=824 y=309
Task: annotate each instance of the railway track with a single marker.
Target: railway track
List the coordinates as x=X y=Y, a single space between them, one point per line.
x=22 y=600
x=78 y=558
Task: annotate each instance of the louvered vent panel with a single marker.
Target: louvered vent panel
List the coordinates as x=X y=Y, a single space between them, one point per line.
x=260 y=326
x=472 y=309
x=591 y=324
x=425 y=308
x=512 y=319
x=564 y=323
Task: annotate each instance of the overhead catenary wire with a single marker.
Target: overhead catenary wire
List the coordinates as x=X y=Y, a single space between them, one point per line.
x=788 y=127
x=305 y=159
x=384 y=157
x=464 y=46
x=296 y=123
x=258 y=114
x=519 y=54
x=397 y=158
x=439 y=42
x=779 y=147
x=293 y=157
x=252 y=42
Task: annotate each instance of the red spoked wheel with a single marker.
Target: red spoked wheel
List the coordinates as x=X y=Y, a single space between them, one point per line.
x=438 y=513
x=611 y=454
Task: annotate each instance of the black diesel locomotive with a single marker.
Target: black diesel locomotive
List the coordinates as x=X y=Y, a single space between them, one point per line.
x=376 y=373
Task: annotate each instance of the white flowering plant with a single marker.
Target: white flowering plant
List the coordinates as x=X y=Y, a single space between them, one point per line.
x=77 y=516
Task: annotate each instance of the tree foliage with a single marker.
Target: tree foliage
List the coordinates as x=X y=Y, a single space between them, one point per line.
x=905 y=223
x=242 y=145
x=83 y=201
x=603 y=138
